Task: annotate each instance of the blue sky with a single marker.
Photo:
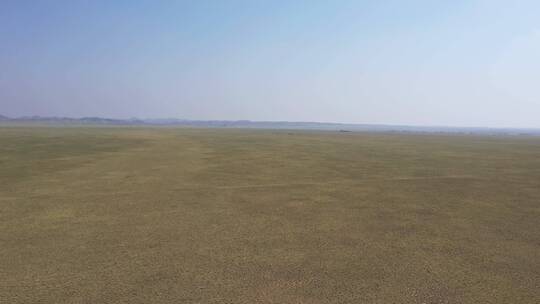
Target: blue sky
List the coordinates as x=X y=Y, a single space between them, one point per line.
x=456 y=63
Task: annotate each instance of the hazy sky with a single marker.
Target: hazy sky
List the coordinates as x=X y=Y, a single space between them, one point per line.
x=458 y=63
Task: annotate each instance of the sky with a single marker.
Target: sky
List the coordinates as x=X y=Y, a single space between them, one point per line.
x=438 y=63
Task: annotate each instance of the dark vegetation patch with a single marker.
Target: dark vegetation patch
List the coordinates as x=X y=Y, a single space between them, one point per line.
x=34 y=151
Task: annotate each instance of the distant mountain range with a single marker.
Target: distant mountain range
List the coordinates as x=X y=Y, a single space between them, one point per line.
x=40 y=120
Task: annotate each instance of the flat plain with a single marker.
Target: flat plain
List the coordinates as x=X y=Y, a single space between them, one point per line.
x=178 y=215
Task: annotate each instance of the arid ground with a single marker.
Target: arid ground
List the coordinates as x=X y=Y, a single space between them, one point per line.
x=165 y=215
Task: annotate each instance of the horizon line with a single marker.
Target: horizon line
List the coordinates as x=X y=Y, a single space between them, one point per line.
x=148 y=120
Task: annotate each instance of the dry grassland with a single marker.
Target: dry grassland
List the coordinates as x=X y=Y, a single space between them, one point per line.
x=142 y=215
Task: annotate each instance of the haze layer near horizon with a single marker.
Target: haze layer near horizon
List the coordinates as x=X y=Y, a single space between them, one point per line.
x=455 y=63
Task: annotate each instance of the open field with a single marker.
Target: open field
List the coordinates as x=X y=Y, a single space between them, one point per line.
x=164 y=215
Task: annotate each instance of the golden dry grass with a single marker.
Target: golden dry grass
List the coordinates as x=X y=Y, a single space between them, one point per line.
x=134 y=215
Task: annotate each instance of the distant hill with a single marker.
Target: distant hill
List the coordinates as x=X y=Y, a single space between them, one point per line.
x=69 y=120
x=247 y=124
